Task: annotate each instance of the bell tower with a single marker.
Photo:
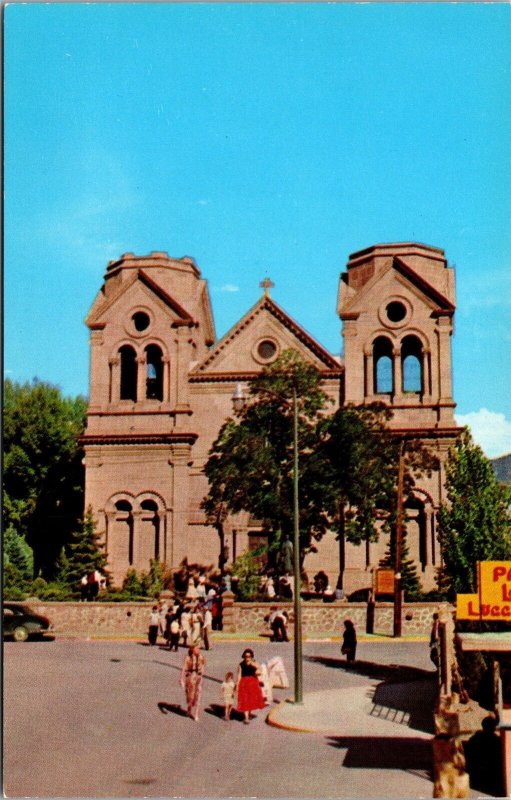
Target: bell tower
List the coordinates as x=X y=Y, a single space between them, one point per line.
x=397 y=305
x=397 y=302
x=150 y=322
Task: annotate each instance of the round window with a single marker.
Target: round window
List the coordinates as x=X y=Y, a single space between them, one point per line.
x=266 y=349
x=141 y=320
x=396 y=311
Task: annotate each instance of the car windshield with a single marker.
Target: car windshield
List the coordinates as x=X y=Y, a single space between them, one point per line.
x=19 y=609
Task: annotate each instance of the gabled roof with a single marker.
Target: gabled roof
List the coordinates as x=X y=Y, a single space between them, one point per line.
x=443 y=304
x=440 y=299
x=265 y=303
x=167 y=299
x=143 y=277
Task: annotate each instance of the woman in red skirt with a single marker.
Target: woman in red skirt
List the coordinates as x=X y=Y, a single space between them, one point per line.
x=250 y=696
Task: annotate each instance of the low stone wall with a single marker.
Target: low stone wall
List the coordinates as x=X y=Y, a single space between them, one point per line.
x=96 y=619
x=131 y=619
x=318 y=617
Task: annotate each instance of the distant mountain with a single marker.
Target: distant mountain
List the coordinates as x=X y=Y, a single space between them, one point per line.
x=502 y=468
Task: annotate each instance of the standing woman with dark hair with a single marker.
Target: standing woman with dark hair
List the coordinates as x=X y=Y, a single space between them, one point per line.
x=250 y=696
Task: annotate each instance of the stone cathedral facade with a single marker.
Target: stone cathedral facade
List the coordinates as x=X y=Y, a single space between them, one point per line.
x=161 y=386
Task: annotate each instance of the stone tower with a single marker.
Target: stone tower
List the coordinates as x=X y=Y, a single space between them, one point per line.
x=397 y=302
x=149 y=323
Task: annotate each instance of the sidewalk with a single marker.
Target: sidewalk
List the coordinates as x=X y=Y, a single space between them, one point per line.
x=404 y=711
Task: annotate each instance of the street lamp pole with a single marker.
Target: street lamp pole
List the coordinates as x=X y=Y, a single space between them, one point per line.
x=296 y=562
x=398 y=593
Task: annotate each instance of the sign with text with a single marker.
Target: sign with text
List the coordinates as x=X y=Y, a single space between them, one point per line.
x=384 y=581
x=493 y=601
x=495 y=581
x=467 y=607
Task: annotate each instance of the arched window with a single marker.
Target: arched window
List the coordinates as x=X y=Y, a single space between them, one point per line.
x=416 y=531
x=411 y=360
x=151 y=526
x=128 y=373
x=124 y=527
x=154 y=380
x=383 y=366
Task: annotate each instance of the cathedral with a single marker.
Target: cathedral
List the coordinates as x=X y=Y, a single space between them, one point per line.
x=161 y=386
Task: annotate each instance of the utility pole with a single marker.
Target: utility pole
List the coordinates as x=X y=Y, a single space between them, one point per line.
x=296 y=562
x=398 y=594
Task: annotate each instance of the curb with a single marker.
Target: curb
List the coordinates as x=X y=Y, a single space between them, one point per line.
x=236 y=637
x=287 y=726
x=283 y=726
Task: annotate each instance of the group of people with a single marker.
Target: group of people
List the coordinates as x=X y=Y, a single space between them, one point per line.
x=249 y=691
x=191 y=622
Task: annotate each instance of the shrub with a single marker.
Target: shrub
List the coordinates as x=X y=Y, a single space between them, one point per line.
x=133 y=585
x=15 y=593
x=245 y=574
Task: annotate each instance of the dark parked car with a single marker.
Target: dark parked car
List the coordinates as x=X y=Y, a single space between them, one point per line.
x=21 y=622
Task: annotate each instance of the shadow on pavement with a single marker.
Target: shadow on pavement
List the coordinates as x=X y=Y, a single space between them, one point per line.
x=217 y=710
x=175 y=708
x=397 y=673
x=178 y=668
x=406 y=695
x=375 y=752
x=409 y=703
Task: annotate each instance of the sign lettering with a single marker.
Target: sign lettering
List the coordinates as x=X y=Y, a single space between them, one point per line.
x=493 y=602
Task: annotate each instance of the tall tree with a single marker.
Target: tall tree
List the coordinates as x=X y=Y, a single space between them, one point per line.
x=348 y=462
x=43 y=474
x=86 y=552
x=357 y=469
x=250 y=467
x=475 y=524
x=353 y=470
x=18 y=554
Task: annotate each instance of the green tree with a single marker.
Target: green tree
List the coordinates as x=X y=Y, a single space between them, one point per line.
x=86 y=552
x=353 y=470
x=250 y=466
x=19 y=554
x=153 y=581
x=410 y=582
x=43 y=473
x=356 y=471
x=475 y=524
x=133 y=584
x=245 y=571
x=348 y=464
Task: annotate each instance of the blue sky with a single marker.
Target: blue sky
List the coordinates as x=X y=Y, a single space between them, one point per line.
x=261 y=139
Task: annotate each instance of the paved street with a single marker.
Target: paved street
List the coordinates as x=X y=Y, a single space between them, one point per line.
x=105 y=719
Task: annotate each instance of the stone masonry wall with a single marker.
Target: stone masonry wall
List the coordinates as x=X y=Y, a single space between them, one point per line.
x=329 y=617
x=131 y=619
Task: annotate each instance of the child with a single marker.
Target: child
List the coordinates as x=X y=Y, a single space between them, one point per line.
x=228 y=689
x=174 y=633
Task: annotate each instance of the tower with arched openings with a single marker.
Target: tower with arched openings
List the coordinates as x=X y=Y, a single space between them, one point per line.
x=397 y=302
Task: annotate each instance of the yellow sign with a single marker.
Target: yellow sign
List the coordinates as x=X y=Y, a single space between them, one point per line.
x=467 y=607
x=493 y=602
x=495 y=581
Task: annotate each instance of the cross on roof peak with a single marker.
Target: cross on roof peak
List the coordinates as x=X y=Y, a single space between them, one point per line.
x=267 y=284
